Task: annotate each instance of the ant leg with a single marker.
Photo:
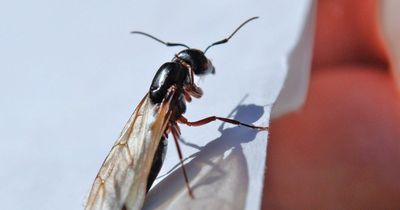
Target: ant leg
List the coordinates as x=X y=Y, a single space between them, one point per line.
x=175 y=134
x=214 y=118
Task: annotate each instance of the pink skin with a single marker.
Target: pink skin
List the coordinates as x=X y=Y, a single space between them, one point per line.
x=342 y=149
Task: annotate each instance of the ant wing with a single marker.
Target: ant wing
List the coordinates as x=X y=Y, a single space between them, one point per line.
x=122 y=179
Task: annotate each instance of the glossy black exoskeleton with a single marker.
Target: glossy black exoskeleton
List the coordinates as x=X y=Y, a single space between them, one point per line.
x=177 y=76
x=200 y=64
x=171 y=73
x=179 y=73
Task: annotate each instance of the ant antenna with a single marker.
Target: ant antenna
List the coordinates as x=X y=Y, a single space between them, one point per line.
x=227 y=39
x=168 y=44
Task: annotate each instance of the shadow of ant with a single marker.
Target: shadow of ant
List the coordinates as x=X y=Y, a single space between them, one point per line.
x=214 y=159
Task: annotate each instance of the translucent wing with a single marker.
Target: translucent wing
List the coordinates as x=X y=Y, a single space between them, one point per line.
x=122 y=179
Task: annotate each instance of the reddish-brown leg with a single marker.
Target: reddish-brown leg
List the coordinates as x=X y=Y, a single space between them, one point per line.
x=206 y=120
x=175 y=134
x=187 y=96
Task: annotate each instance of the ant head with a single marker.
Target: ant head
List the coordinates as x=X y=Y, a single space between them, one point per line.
x=197 y=60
